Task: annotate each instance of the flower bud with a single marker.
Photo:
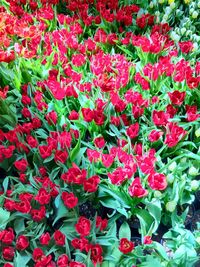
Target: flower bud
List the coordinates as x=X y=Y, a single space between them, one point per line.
x=183 y=30
x=172 y=166
x=170 y=178
x=193 y=171
x=170 y=206
x=183 y=160
x=151 y=5
x=194 y=185
x=157 y=194
x=172 y=5
x=195 y=14
x=191 y=10
x=197 y=132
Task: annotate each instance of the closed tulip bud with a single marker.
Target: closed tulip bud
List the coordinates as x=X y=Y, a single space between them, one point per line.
x=157 y=194
x=151 y=5
x=197 y=132
x=170 y=178
x=194 y=185
x=172 y=166
x=172 y=5
x=195 y=14
x=193 y=171
x=183 y=30
x=170 y=206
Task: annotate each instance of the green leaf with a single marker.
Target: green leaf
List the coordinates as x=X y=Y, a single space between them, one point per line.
x=4 y=216
x=124 y=231
x=151 y=262
x=61 y=209
x=160 y=249
x=21 y=259
x=19 y=225
x=75 y=150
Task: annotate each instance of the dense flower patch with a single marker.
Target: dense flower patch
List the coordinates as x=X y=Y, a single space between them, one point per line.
x=99 y=133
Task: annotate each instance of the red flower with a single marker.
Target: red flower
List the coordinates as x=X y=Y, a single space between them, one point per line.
x=38 y=215
x=118 y=176
x=61 y=156
x=7 y=236
x=155 y=135
x=69 y=199
x=83 y=226
x=159 y=118
x=23 y=206
x=133 y=130
x=74 y=175
x=193 y=82
x=8 y=253
x=8 y=265
x=59 y=238
x=157 y=181
x=99 y=117
x=62 y=260
x=147 y=240
x=107 y=160
x=177 y=97
x=191 y=112
x=186 y=46
x=73 y=115
x=76 y=264
x=136 y=189
x=43 y=197
x=45 y=238
x=96 y=254
x=88 y=114
x=126 y=246
x=4 y=91
x=80 y=243
x=22 y=242
x=21 y=165
x=45 y=151
x=91 y=184
x=32 y=141
x=101 y=223
x=175 y=133
x=37 y=254
x=52 y=117
x=99 y=142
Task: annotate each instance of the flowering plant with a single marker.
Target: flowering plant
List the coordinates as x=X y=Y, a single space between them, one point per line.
x=99 y=135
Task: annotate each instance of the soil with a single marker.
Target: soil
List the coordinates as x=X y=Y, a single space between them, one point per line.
x=195 y=220
x=2 y=173
x=162 y=229
x=87 y=210
x=137 y=240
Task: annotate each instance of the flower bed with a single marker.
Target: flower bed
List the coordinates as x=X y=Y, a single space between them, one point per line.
x=99 y=133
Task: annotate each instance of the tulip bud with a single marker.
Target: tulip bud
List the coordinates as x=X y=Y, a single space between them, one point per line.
x=172 y=166
x=170 y=206
x=170 y=178
x=197 y=132
x=194 y=185
x=157 y=194
x=183 y=30
x=172 y=5
x=151 y=5
x=195 y=14
x=193 y=171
